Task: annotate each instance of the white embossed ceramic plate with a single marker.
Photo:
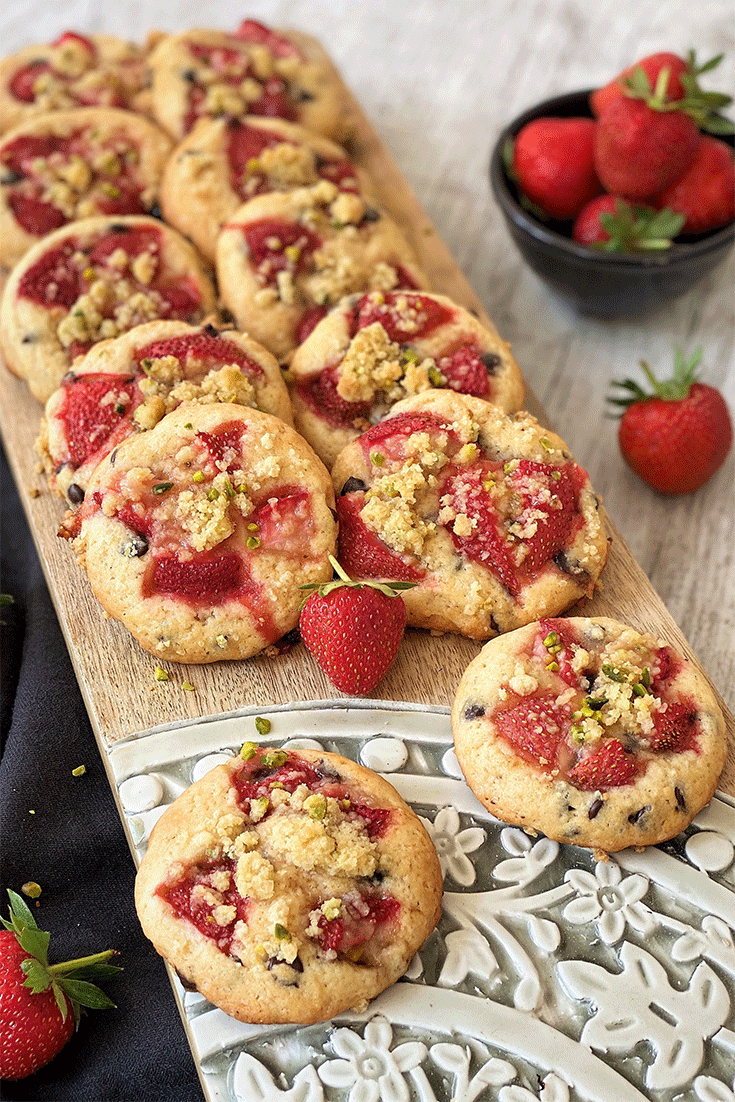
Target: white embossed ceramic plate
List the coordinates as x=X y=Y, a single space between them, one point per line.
x=550 y=978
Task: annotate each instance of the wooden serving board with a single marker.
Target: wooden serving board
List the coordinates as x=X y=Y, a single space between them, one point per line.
x=117 y=678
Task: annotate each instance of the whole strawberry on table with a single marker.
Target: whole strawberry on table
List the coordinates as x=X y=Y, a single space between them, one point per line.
x=354 y=629
x=40 y=1003
x=677 y=436
x=645 y=170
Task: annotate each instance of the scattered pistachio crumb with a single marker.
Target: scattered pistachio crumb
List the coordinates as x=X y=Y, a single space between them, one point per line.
x=31 y=889
x=188 y=425
x=262 y=725
x=188 y=687
x=161 y=674
x=377 y=458
x=79 y=771
x=281 y=933
x=274 y=759
x=162 y=487
x=31 y=811
x=545 y=443
x=198 y=476
x=248 y=750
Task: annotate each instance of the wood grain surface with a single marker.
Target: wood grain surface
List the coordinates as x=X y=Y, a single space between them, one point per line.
x=117 y=678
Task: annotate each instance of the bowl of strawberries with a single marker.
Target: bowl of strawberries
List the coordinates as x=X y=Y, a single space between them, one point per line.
x=622 y=197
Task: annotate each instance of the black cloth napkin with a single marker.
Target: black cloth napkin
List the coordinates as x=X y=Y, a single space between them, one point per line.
x=64 y=832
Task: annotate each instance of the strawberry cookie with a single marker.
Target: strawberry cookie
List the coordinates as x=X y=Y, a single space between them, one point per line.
x=75 y=164
x=589 y=731
x=127 y=384
x=289 y=886
x=74 y=71
x=94 y=279
x=198 y=534
x=209 y=73
x=224 y=162
x=372 y=350
x=285 y=258
x=486 y=512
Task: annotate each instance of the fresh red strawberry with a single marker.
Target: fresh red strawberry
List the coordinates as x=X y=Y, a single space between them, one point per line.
x=470 y=491
x=534 y=728
x=705 y=195
x=616 y=226
x=354 y=629
x=609 y=767
x=363 y=553
x=40 y=1003
x=676 y=438
x=553 y=165
x=641 y=148
x=651 y=66
x=676 y=729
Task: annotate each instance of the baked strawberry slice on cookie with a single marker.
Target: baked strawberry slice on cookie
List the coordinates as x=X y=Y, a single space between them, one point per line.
x=199 y=534
x=372 y=350
x=289 y=886
x=569 y=727
x=486 y=512
x=127 y=384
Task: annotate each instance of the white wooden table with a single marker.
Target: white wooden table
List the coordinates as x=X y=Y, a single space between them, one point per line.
x=439 y=79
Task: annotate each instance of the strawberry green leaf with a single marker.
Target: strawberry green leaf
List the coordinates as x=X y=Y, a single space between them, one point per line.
x=96 y=972
x=20 y=912
x=696 y=69
x=35 y=942
x=86 y=994
x=61 y=1002
x=37 y=977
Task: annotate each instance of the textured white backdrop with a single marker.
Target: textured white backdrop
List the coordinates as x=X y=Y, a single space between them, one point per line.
x=439 y=78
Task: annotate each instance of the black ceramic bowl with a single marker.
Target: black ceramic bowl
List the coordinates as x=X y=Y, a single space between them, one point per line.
x=607 y=285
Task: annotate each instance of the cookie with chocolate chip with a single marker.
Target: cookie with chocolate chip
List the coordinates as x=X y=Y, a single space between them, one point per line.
x=372 y=350
x=589 y=731
x=223 y=163
x=284 y=258
x=75 y=70
x=212 y=74
x=91 y=280
x=289 y=886
x=66 y=165
x=127 y=384
x=486 y=512
x=198 y=534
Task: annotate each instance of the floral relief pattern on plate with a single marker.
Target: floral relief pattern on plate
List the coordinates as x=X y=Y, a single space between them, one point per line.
x=552 y=977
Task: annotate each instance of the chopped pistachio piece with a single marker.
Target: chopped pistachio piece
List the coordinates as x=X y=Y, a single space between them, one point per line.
x=258 y=808
x=161 y=674
x=79 y=771
x=262 y=725
x=377 y=458
x=545 y=443
x=274 y=759
x=31 y=889
x=162 y=487
x=252 y=542
x=281 y=933
x=551 y=640
x=198 y=476
x=248 y=750
x=316 y=805
x=613 y=673
x=188 y=687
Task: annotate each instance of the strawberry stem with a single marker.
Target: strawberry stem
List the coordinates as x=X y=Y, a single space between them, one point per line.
x=81 y=962
x=339 y=570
